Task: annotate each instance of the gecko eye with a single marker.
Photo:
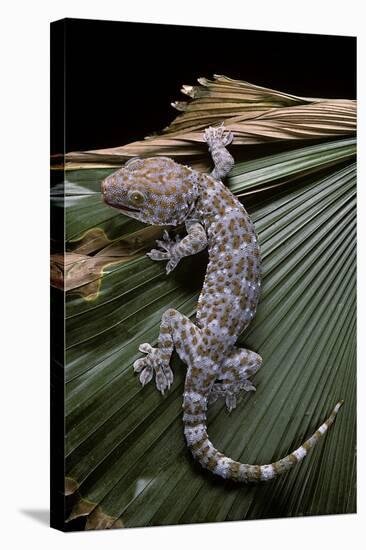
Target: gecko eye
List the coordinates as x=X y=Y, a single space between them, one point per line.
x=136 y=197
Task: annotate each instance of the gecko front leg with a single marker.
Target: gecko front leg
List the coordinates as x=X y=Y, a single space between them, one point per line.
x=217 y=139
x=174 y=251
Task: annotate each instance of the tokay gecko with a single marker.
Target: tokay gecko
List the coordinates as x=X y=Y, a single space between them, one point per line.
x=160 y=191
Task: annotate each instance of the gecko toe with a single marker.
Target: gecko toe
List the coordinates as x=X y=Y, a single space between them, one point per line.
x=157 y=255
x=160 y=379
x=146 y=348
x=230 y=401
x=152 y=364
x=139 y=364
x=146 y=375
x=228 y=138
x=168 y=375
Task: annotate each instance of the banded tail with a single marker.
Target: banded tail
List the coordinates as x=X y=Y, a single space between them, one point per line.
x=210 y=458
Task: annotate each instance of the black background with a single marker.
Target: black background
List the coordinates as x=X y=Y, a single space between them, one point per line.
x=122 y=77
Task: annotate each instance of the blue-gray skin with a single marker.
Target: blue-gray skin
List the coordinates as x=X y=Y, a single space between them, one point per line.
x=160 y=191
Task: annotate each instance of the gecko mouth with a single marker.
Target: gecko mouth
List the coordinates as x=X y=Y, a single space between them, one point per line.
x=119 y=206
x=128 y=208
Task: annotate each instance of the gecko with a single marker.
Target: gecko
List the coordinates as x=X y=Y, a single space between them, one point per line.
x=160 y=191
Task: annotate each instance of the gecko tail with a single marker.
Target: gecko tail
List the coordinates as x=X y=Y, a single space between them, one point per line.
x=219 y=464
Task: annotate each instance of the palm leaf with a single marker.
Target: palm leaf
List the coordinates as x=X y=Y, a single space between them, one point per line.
x=127 y=462
x=255 y=115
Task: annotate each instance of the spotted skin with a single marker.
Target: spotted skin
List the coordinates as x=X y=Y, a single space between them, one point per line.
x=160 y=191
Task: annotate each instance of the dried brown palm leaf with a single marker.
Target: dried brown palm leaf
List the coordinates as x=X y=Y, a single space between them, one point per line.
x=254 y=114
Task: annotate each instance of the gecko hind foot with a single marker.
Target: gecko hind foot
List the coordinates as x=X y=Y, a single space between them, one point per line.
x=230 y=393
x=154 y=362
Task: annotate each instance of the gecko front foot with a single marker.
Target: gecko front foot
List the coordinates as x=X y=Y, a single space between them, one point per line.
x=218 y=135
x=168 y=251
x=154 y=362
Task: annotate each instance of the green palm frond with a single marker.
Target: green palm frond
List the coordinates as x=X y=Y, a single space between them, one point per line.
x=127 y=462
x=126 y=459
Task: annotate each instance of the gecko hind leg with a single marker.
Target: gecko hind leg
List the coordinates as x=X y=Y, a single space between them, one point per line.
x=237 y=369
x=176 y=330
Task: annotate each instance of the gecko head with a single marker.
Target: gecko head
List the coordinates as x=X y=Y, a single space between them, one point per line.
x=155 y=190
